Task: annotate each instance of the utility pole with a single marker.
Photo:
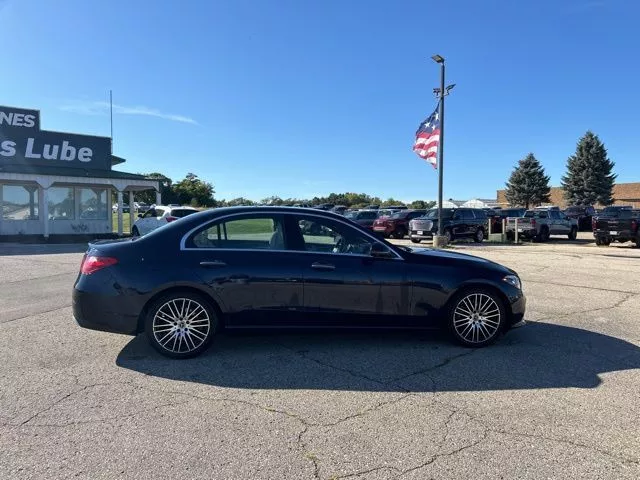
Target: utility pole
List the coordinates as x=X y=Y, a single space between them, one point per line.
x=440 y=94
x=111 y=115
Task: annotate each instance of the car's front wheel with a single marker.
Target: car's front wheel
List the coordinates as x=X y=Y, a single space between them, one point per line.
x=180 y=324
x=573 y=234
x=479 y=236
x=476 y=317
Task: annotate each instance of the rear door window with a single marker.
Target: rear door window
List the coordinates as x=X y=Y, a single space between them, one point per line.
x=241 y=233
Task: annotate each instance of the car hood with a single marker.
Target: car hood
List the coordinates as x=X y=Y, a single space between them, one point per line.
x=460 y=257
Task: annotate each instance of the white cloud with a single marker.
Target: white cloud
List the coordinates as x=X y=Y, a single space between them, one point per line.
x=102 y=108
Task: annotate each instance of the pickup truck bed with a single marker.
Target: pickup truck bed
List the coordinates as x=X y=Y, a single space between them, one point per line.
x=617 y=225
x=539 y=225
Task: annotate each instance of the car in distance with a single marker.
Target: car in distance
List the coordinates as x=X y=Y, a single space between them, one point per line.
x=158 y=216
x=396 y=225
x=503 y=214
x=125 y=208
x=617 y=224
x=582 y=214
x=247 y=267
x=456 y=223
x=364 y=218
x=542 y=222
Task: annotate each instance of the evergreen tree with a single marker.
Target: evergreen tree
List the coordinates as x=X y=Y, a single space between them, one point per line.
x=590 y=178
x=528 y=185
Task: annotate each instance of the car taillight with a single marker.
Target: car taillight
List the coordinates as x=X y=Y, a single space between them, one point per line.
x=593 y=223
x=533 y=222
x=171 y=219
x=634 y=225
x=93 y=263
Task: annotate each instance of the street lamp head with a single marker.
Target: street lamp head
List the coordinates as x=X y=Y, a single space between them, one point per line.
x=438 y=59
x=450 y=87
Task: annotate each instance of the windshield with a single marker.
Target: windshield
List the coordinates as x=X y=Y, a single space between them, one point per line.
x=433 y=214
x=398 y=215
x=350 y=214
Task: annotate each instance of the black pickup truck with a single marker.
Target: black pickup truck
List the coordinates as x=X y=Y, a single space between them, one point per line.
x=616 y=224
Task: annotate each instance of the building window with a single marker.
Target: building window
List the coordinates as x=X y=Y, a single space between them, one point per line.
x=61 y=203
x=20 y=202
x=93 y=203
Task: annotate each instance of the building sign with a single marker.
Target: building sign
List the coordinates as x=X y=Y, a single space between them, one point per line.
x=23 y=143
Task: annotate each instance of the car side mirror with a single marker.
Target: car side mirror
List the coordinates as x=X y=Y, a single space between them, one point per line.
x=140 y=215
x=380 y=251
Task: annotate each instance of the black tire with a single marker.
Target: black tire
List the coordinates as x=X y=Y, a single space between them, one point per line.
x=415 y=240
x=399 y=234
x=598 y=241
x=469 y=329
x=573 y=234
x=543 y=236
x=165 y=317
x=479 y=235
x=606 y=242
x=135 y=232
x=449 y=234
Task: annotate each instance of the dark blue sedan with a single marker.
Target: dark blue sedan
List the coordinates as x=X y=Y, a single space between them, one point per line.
x=278 y=267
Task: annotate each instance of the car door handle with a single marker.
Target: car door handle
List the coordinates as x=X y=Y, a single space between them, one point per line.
x=323 y=266
x=214 y=263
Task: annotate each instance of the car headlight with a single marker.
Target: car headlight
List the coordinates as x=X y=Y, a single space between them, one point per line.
x=513 y=280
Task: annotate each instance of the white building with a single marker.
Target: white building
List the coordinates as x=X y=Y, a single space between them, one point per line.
x=55 y=184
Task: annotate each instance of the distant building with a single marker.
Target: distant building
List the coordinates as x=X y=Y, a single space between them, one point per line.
x=623 y=194
x=480 y=203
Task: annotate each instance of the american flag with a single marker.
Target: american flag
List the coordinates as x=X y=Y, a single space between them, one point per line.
x=428 y=139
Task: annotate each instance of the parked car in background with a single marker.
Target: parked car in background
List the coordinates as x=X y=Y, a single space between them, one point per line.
x=141 y=207
x=248 y=267
x=385 y=212
x=456 y=223
x=396 y=225
x=157 y=216
x=542 y=222
x=364 y=218
x=125 y=208
x=324 y=206
x=582 y=214
x=503 y=214
x=617 y=224
x=340 y=209
x=397 y=207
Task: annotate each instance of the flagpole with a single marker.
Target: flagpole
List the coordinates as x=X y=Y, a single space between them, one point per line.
x=441 y=149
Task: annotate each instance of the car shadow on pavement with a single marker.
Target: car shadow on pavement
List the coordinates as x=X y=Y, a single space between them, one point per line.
x=540 y=355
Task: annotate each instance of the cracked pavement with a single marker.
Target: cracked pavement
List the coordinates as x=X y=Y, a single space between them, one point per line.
x=556 y=399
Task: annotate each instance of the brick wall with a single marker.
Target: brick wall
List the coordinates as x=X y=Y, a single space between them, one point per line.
x=623 y=194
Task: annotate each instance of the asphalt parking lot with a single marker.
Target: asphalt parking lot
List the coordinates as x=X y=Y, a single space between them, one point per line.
x=558 y=398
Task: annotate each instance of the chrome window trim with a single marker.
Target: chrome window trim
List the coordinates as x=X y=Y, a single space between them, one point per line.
x=183 y=241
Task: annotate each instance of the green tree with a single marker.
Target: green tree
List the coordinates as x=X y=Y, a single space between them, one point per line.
x=528 y=185
x=240 y=201
x=392 y=202
x=422 y=205
x=590 y=178
x=193 y=191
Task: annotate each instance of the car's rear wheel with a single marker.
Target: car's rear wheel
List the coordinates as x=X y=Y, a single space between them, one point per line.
x=543 y=236
x=573 y=234
x=476 y=317
x=135 y=232
x=180 y=324
x=415 y=240
x=479 y=236
x=399 y=234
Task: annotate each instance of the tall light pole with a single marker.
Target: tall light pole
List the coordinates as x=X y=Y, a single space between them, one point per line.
x=440 y=94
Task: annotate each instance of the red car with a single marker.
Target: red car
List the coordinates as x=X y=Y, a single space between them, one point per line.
x=397 y=224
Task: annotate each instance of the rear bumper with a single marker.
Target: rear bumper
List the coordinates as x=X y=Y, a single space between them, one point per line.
x=620 y=234
x=96 y=312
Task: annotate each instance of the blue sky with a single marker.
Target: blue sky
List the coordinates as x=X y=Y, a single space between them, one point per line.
x=299 y=98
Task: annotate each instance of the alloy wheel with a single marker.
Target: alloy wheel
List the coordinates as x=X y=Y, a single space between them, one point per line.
x=476 y=318
x=181 y=325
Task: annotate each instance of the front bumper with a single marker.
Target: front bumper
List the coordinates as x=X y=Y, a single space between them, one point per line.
x=518 y=306
x=96 y=312
x=421 y=234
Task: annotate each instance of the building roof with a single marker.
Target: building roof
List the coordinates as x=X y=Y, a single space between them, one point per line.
x=69 y=172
